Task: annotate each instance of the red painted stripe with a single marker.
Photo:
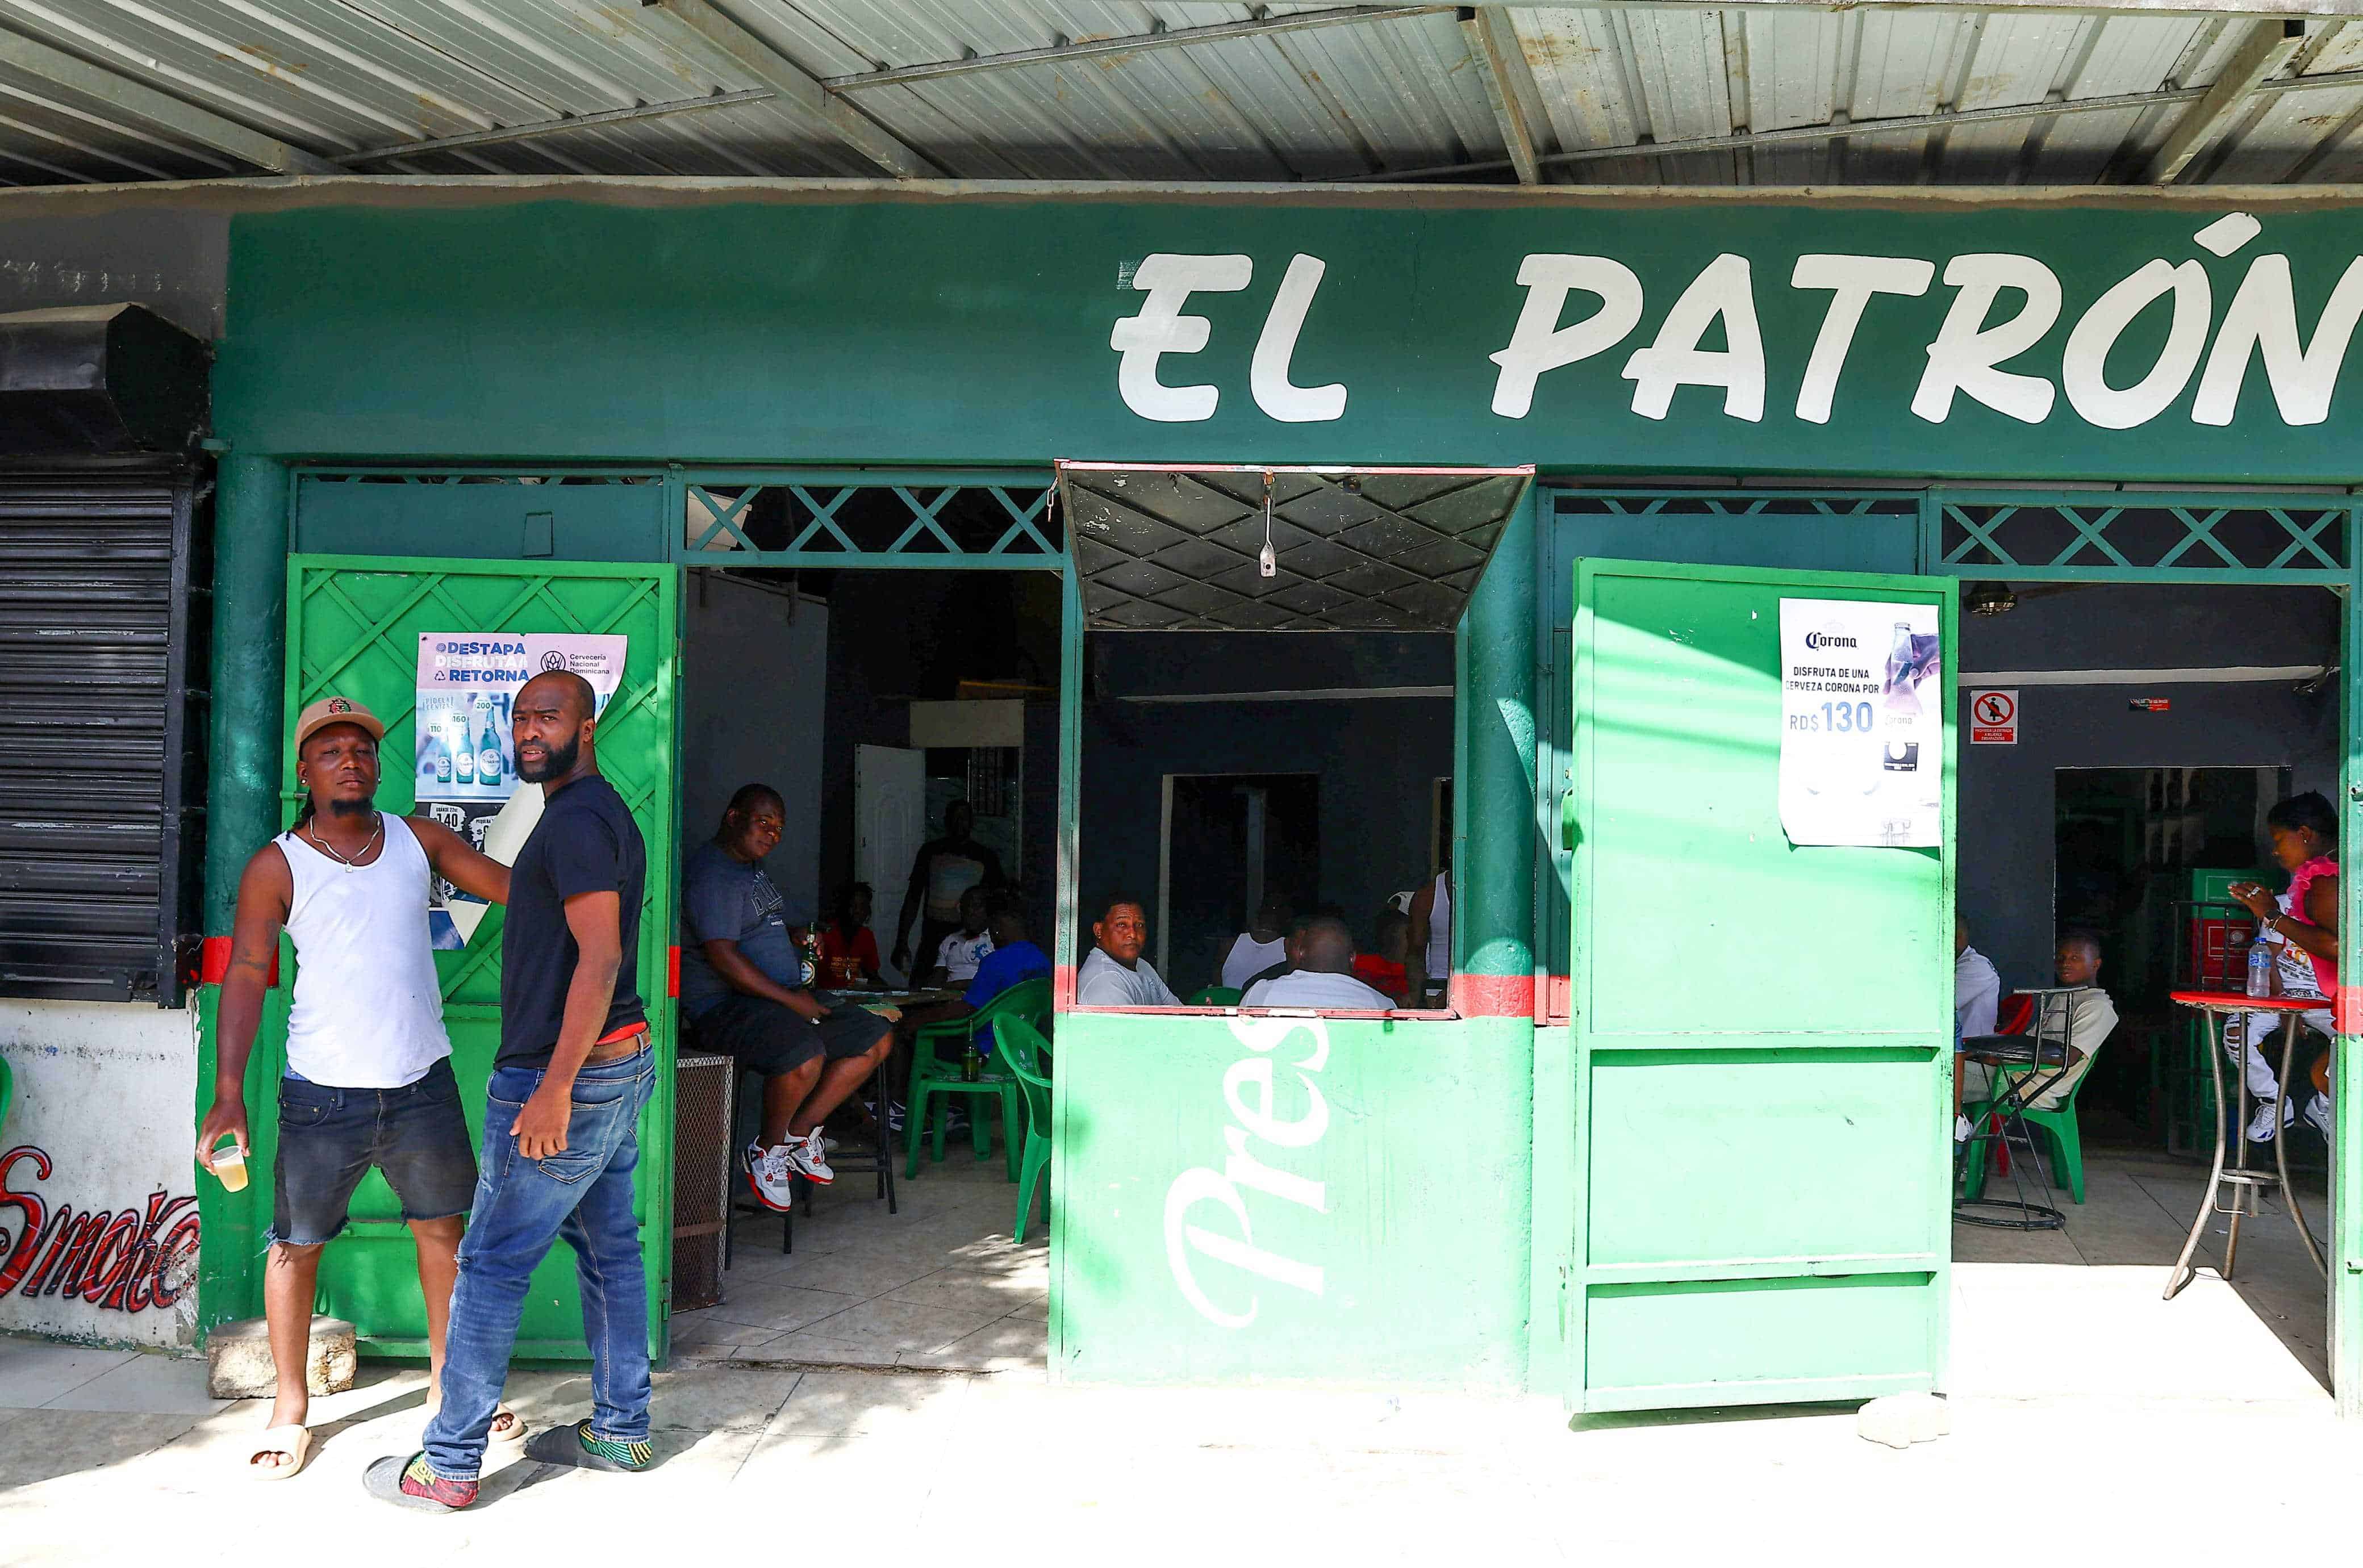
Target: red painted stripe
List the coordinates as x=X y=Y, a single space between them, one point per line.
x=673 y=971
x=212 y=963
x=1062 y=988
x=1493 y=995
x=2348 y=1016
x=1558 y=993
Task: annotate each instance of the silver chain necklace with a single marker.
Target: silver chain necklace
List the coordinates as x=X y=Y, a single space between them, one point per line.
x=353 y=865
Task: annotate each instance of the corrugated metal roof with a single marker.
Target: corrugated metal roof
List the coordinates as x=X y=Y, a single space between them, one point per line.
x=1402 y=93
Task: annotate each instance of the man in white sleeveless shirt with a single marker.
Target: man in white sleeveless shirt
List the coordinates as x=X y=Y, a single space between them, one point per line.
x=369 y=1076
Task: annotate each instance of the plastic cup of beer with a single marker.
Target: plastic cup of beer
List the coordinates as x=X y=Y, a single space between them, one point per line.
x=230 y=1166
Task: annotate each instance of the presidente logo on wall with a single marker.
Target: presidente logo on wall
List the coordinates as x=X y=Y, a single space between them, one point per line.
x=2116 y=368
x=464 y=759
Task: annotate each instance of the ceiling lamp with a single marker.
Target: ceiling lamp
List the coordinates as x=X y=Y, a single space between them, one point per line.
x=1989 y=599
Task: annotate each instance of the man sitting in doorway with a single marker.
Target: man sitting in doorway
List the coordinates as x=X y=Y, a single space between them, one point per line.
x=1257 y=948
x=1114 y=974
x=1324 y=976
x=742 y=983
x=2081 y=1018
x=958 y=955
x=943 y=870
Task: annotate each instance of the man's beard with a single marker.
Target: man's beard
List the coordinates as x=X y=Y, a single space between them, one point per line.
x=360 y=808
x=560 y=763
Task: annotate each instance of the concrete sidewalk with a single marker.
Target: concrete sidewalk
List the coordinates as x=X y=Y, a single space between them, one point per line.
x=971 y=1468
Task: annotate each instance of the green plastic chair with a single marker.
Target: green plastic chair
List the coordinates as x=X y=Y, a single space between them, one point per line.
x=934 y=1076
x=1217 y=996
x=1020 y=1046
x=2059 y=1127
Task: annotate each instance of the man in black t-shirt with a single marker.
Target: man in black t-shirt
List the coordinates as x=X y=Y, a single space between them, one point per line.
x=561 y=1117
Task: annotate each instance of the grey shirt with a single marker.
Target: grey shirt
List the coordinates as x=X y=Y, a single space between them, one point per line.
x=726 y=898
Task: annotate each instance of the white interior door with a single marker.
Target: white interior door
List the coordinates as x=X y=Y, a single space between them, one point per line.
x=890 y=816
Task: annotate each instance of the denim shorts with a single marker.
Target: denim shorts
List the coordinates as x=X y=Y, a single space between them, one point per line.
x=329 y=1137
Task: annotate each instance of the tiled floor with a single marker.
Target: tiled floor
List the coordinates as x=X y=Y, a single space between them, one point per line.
x=939 y=1284
x=2079 y=1310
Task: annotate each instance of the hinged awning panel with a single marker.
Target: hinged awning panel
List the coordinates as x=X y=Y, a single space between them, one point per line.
x=1176 y=547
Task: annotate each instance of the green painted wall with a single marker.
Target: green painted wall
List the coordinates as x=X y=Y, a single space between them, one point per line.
x=924 y=329
x=1347 y=1199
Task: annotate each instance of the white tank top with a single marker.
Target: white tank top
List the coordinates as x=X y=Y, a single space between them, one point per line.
x=368 y=1010
x=1439 y=931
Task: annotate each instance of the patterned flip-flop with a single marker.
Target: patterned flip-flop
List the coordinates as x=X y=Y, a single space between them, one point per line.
x=383 y=1480
x=574 y=1445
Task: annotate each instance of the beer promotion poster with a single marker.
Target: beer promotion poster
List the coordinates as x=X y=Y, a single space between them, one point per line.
x=465 y=762
x=1862 y=723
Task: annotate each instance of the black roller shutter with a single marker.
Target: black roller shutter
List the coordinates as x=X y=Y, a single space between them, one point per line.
x=100 y=751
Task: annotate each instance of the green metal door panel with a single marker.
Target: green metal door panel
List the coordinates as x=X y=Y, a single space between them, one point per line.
x=1348 y=1257
x=353 y=627
x=451 y=516
x=1689 y=855
x=1761 y=1341
x=1762 y=1031
x=1860 y=1190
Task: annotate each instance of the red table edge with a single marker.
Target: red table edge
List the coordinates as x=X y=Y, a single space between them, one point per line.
x=2241 y=1001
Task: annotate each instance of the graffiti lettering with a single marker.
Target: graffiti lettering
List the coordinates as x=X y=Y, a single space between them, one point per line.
x=122 y=1261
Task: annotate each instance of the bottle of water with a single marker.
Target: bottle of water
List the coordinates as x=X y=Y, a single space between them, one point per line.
x=2260 y=965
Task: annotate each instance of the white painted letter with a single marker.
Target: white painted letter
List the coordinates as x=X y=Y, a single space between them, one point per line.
x=1194 y=1187
x=1966 y=351
x=1268 y=376
x=1539 y=343
x=1723 y=289
x=1248 y=1170
x=1159 y=328
x=1852 y=280
x=2083 y=370
x=2264 y=316
x=1256 y=1072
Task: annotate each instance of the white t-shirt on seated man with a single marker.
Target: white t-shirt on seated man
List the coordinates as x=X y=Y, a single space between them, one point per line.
x=1115 y=974
x=1323 y=977
x=2082 y=1019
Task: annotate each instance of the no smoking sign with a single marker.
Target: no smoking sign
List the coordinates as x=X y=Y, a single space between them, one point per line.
x=1993 y=717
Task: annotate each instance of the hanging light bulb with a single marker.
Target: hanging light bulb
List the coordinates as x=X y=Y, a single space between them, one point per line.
x=1267 y=563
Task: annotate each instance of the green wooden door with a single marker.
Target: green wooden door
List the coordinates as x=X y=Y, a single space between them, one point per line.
x=352 y=629
x=1762 y=1031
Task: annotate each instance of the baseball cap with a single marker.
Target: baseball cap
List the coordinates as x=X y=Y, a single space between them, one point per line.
x=336 y=710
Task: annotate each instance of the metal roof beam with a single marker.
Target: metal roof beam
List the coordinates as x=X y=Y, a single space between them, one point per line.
x=2260 y=56
x=699 y=32
x=1942 y=120
x=142 y=102
x=1492 y=39
x=2212 y=8
x=1134 y=43
x=533 y=128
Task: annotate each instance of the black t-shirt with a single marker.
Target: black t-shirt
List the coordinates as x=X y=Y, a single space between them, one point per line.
x=585 y=843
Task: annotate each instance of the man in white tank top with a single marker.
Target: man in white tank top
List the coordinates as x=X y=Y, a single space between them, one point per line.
x=1428 y=958
x=368 y=1080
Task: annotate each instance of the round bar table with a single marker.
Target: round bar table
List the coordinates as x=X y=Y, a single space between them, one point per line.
x=2245 y=1186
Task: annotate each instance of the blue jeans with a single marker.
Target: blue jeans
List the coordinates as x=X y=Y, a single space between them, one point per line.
x=583 y=1194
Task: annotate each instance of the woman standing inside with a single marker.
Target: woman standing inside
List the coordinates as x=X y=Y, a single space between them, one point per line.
x=2305 y=841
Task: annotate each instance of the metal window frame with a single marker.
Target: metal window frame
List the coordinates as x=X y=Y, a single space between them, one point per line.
x=1033 y=526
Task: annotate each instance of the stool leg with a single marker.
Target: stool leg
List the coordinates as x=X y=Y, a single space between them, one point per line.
x=2280 y=1153
x=2182 y=1273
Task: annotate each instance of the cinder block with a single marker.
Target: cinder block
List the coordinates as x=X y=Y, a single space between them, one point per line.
x=1899 y=1420
x=238 y=1357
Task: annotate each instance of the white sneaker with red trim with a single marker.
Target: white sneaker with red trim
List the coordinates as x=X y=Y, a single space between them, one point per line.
x=808 y=1157
x=767 y=1173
